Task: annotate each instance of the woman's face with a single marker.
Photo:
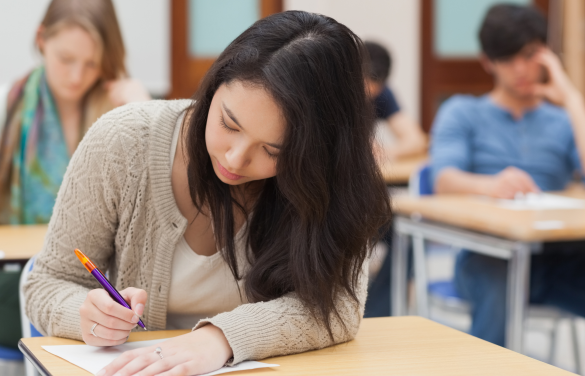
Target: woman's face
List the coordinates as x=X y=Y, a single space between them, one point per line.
x=244 y=133
x=72 y=62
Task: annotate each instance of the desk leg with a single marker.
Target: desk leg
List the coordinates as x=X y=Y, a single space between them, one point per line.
x=420 y=277
x=398 y=285
x=518 y=285
x=32 y=360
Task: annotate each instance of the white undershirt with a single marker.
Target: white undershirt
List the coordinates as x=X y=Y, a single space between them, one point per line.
x=201 y=286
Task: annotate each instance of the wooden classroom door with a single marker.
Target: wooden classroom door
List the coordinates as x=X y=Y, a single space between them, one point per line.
x=450 y=50
x=202 y=29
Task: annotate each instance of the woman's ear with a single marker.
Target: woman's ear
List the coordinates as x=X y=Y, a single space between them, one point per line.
x=40 y=38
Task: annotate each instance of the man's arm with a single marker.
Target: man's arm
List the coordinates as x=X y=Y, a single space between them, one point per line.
x=561 y=91
x=506 y=184
x=409 y=136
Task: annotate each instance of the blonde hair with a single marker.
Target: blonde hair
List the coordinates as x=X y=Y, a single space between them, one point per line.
x=98 y=19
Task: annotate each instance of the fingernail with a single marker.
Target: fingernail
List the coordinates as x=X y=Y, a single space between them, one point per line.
x=139 y=309
x=101 y=373
x=135 y=319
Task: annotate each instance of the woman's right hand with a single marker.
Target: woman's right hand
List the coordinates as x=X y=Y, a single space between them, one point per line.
x=114 y=321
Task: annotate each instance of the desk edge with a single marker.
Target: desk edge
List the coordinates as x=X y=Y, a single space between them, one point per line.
x=33 y=359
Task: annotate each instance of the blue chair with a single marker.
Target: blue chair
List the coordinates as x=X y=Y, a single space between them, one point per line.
x=419 y=183
x=28 y=329
x=443 y=293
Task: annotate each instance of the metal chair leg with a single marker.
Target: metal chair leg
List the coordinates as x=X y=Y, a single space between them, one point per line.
x=553 y=340
x=576 y=352
x=420 y=277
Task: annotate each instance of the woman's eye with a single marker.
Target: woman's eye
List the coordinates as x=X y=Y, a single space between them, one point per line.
x=224 y=125
x=273 y=156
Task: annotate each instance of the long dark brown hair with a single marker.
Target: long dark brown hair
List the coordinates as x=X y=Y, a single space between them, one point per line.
x=313 y=224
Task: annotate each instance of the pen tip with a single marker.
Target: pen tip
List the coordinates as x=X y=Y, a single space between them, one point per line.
x=144 y=328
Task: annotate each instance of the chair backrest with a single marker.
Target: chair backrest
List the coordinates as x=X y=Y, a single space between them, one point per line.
x=28 y=329
x=420 y=183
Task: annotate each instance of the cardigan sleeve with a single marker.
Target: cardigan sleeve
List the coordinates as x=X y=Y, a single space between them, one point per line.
x=284 y=326
x=85 y=217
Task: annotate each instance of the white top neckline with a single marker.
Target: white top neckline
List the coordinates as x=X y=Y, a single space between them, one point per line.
x=201 y=286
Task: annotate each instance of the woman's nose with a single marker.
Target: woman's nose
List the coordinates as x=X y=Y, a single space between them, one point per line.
x=76 y=74
x=237 y=157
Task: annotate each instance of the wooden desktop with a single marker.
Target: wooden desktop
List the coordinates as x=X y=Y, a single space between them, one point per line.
x=384 y=346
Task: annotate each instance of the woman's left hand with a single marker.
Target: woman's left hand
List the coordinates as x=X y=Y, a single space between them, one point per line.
x=201 y=351
x=126 y=90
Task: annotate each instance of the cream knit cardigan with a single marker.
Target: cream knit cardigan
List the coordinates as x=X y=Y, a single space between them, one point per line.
x=116 y=205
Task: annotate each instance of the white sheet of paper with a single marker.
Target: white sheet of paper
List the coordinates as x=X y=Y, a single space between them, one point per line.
x=548 y=225
x=542 y=201
x=93 y=359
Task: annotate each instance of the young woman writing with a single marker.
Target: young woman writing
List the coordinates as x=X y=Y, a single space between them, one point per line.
x=255 y=205
x=47 y=112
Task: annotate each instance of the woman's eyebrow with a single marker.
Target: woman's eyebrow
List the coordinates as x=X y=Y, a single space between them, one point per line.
x=233 y=117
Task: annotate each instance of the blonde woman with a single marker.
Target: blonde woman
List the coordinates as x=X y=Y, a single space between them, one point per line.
x=44 y=115
x=48 y=111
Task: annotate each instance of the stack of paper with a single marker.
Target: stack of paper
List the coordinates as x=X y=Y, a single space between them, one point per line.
x=542 y=201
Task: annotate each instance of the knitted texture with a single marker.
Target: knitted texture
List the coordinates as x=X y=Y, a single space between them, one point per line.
x=116 y=204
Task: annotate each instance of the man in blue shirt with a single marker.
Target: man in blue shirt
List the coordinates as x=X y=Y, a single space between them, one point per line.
x=526 y=135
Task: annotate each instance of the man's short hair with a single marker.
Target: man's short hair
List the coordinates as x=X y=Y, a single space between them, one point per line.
x=379 y=64
x=507 y=28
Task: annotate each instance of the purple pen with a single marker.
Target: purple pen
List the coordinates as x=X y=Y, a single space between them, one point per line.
x=104 y=282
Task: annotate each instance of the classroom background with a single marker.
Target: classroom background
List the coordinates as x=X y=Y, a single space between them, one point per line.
x=171 y=43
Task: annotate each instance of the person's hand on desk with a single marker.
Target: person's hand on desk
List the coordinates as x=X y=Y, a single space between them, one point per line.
x=114 y=322
x=383 y=156
x=510 y=182
x=203 y=350
x=126 y=90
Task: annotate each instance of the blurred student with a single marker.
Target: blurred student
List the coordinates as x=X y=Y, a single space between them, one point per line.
x=526 y=135
x=44 y=115
x=405 y=136
x=47 y=112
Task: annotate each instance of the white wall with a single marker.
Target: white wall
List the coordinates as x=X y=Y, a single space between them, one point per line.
x=393 y=23
x=145 y=29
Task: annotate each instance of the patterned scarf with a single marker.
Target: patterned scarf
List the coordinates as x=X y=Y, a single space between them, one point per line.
x=33 y=153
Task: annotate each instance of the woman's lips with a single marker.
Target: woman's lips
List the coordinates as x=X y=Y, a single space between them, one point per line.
x=227 y=174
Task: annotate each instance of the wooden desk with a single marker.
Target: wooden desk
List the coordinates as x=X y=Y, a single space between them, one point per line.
x=399 y=171
x=478 y=224
x=19 y=243
x=482 y=214
x=384 y=346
